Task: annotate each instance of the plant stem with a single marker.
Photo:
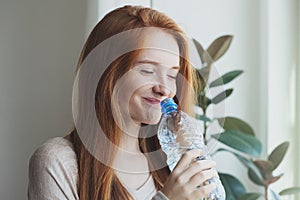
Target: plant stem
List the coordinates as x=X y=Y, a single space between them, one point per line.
x=205 y=128
x=203 y=105
x=266 y=192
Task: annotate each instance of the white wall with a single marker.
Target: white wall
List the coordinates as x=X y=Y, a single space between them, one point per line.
x=298 y=99
x=40 y=42
x=106 y=6
x=283 y=64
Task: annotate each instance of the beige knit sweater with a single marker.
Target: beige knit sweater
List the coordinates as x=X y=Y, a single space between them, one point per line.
x=53 y=174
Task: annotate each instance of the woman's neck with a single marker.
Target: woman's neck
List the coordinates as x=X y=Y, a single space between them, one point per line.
x=129 y=157
x=129 y=144
x=130 y=138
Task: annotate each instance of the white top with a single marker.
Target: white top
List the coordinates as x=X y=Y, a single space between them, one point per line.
x=145 y=191
x=53 y=174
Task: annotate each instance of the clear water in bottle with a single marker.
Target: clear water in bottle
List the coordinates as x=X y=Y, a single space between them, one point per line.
x=179 y=132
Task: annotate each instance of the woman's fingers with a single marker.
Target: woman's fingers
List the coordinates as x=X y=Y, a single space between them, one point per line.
x=187 y=158
x=188 y=174
x=195 y=172
x=202 y=176
x=204 y=191
x=202 y=165
x=196 y=167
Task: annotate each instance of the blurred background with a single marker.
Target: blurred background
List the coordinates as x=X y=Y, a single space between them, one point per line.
x=40 y=42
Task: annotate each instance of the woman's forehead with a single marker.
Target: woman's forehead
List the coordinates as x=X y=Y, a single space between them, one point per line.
x=160 y=40
x=159 y=56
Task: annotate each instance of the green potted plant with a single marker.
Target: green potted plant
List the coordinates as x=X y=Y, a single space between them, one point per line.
x=237 y=134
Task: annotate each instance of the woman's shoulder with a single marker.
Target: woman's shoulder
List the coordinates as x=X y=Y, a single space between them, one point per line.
x=53 y=170
x=55 y=153
x=55 y=148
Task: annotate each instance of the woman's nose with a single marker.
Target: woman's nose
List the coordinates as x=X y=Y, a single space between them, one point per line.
x=161 y=90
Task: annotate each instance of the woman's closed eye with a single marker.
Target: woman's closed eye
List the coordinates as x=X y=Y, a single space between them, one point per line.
x=173 y=76
x=147 y=71
x=152 y=72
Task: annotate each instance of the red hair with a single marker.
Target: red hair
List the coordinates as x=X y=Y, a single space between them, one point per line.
x=95 y=179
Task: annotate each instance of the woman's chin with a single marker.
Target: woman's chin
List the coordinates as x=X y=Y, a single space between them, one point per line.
x=150 y=118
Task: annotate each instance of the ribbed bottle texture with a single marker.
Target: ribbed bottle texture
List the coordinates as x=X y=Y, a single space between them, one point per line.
x=179 y=132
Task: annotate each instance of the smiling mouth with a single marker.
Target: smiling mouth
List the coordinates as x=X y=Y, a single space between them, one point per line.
x=152 y=100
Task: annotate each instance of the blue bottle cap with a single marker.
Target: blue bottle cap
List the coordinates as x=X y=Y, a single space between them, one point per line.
x=168 y=106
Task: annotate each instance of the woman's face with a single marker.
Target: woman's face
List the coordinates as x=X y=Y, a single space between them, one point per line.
x=152 y=79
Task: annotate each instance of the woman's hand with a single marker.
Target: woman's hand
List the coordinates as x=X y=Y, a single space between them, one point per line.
x=187 y=175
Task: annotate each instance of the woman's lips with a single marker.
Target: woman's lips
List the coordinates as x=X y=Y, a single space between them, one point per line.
x=152 y=100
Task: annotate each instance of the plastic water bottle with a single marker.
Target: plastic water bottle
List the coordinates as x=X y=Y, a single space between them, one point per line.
x=179 y=132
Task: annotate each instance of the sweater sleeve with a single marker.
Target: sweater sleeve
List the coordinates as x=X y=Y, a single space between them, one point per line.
x=53 y=172
x=159 y=196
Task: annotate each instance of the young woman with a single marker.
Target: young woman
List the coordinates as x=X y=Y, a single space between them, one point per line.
x=143 y=58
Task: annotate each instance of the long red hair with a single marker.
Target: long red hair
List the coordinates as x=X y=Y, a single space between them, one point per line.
x=95 y=179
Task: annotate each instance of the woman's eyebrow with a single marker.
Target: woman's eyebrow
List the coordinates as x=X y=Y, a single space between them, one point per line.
x=146 y=61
